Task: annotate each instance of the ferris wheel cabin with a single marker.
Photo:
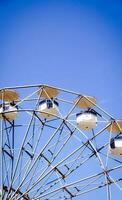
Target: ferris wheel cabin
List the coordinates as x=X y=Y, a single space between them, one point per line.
x=116 y=146
x=8 y=111
x=8 y=108
x=86 y=120
x=48 y=108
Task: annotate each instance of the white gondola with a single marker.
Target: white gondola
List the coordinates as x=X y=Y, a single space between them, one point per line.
x=8 y=111
x=86 y=120
x=48 y=108
x=116 y=146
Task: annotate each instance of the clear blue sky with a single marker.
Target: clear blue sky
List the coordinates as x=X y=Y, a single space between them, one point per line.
x=72 y=44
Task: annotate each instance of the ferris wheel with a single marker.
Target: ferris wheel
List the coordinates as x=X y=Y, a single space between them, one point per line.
x=57 y=144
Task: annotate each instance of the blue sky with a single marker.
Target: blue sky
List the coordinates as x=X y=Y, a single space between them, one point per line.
x=72 y=44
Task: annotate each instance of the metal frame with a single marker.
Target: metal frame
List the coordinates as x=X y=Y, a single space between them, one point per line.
x=42 y=164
